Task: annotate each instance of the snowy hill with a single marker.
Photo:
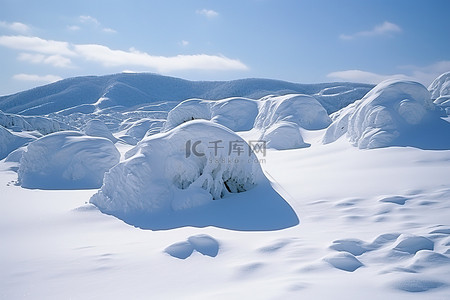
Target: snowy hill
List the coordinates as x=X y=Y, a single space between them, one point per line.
x=127 y=90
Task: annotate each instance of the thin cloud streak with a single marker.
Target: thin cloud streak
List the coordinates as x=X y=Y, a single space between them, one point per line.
x=384 y=29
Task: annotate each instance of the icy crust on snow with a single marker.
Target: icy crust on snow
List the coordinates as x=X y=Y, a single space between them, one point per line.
x=440 y=91
x=278 y=119
x=389 y=110
x=179 y=169
x=67 y=160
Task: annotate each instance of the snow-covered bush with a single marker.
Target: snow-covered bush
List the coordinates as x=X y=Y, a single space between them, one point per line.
x=67 y=160
x=185 y=167
x=97 y=128
x=440 y=91
x=280 y=118
x=387 y=111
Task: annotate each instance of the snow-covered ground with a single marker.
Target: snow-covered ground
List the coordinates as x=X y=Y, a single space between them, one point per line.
x=321 y=221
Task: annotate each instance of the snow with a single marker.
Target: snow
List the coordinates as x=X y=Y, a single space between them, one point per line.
x=97 y=128
x=321 y=221
x=440 y=91
x=387 y=116
x=66 y=160
x=9 y=141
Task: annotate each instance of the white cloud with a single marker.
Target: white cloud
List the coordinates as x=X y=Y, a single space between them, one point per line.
x=36 y=44
x=209 y=13
x=109 y=30
x=54 y=60
x=112 y=58
x=36 y=78
x=89 y=19
x=73 y=28
x=364 y=76
x=60 y=54
x=424 y=74
x=385 y=29
x=184 y=43
x=15 y=26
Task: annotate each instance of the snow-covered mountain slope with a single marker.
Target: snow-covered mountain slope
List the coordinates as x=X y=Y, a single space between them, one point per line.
x=125 y=90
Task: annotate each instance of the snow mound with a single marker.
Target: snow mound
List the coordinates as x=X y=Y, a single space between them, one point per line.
x=440 y=91
x=413 y=244
x=238 y=114
x=278 y=119
x=30 y=123
x=66 y=160
x=186 y=167
x=201 y=243
x=10 y=141
x=392 y=109
x=97 y=128
x=343 y=261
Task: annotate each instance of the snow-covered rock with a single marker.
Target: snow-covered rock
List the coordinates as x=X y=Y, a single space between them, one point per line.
x=440 y=91
x=97 y=128
x=191 y=165
x=389 y=110
x=67 y=160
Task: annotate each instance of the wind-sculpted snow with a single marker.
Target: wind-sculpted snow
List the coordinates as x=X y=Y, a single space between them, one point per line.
x=395 y=112
x=67 y=160
x=440 y=91
x=192 y=175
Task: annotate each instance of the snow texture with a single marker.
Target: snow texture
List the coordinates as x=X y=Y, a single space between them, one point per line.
x=385 y=116
x=179 y=169
x=9 y=141
x=67 y=160
x=30 y=123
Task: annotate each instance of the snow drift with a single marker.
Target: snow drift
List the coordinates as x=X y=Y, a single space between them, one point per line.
x=10 y=141
x=388 y=114
x=97 y=128
x=67 y=160
x=172 y=179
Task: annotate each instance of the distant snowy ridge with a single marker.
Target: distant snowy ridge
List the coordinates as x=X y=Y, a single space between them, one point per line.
x=124 y=91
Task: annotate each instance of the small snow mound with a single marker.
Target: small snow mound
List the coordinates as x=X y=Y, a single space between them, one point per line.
x=97 y=128
x=385 y=113
x=66 y=160
x=181 y=250
x=205 y=244
x=353 y=246
x=343 y=261
x=413 y=244
x=10 y=141
x=283 y=135
x=186 y=167
x=417 y=285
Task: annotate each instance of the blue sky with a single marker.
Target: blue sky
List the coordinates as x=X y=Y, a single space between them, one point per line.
x=294 y=40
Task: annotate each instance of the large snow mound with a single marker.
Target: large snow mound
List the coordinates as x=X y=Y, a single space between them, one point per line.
x=386 y=115
x=440 y=91
x=188 y=166
x=67 y=160
x=97 y=128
